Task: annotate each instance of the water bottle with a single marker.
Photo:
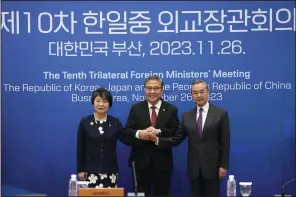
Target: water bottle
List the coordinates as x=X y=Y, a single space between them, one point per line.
x=73 y=187
x=231 y=186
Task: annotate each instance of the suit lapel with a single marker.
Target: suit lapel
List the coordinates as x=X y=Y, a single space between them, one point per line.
x=146 y=114
x=210 y=117
x=193 y=116
x=161 y=113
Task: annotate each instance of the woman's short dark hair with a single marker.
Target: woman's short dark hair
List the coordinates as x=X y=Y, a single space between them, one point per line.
x=104 y=94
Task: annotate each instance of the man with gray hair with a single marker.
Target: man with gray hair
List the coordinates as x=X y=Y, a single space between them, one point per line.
x=207 y=128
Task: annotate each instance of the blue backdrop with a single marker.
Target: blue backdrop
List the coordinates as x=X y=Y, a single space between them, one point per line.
x=244 y=50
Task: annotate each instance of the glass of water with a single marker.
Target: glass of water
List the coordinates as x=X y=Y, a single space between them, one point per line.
x=82 y=184
x=245 y=188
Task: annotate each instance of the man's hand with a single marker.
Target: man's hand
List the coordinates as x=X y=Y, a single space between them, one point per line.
x=222 y=172
x=153 y=130
x=147 y=135
x=152 y=136
x=143 y=134
x=82 y=176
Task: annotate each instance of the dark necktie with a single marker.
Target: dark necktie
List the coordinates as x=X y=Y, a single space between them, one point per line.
x=199 y=122
x=153 y=116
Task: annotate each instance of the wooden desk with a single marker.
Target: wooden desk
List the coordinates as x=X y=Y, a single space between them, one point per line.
x=101 y=192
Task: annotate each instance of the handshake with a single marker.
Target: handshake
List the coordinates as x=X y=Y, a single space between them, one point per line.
x=149 y=134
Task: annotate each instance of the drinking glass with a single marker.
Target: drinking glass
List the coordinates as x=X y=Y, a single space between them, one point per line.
x=82 y=184
x=245 y=188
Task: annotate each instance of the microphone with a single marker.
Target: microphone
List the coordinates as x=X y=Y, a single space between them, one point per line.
x=135 y=178
x=285 y=184
x=136 y=192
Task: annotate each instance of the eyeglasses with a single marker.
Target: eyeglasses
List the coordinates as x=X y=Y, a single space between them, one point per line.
x=156 y=88
x=199 y=93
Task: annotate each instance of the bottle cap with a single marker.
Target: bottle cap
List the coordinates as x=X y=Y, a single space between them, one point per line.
x=73 y=176
x=231 y=176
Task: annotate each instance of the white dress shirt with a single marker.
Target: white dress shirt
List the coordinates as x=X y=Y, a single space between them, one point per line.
x=157 y=107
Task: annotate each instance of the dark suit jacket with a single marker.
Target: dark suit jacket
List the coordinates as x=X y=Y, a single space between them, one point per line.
x=144 y=152
x=96 y=153
x=211 y=150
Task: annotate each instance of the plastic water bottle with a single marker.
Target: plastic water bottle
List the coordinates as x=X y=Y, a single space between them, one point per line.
x=73 y=187
x=231 y=186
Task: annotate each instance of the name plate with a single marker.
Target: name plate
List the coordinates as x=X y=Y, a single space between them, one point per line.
x=101 y=192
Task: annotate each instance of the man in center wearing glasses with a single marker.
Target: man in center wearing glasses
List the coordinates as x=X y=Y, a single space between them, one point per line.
x=153 y=165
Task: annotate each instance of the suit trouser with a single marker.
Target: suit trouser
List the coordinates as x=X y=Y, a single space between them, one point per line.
x=205 y=187
x=159 y=180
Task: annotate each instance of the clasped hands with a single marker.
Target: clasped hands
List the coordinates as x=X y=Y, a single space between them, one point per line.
x=149 y=134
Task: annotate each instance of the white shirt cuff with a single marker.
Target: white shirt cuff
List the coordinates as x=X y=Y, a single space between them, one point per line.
x=138 y=134
x=157 y=140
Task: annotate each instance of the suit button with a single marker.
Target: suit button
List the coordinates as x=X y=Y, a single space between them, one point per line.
x=101 y=150
x=102 y=143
